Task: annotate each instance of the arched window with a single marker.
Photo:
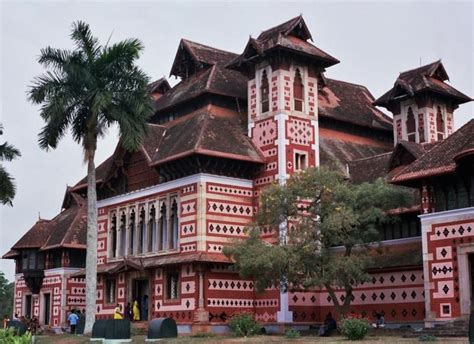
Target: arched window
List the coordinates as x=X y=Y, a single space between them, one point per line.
x=264 y=92
x=141 y=232
x=152 y=229
x=440 y=123
x=421 y=128
x=163 y=228
x=113 y=236
x=298 y=91
x=411 y=125
x=123 y=234
x=131 y=228
x=174 y=225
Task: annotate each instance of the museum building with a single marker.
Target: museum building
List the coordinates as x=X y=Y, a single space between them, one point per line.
x=234 y=124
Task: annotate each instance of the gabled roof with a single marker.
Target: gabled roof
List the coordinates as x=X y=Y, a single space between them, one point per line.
x=159 y=86
x=351 y=103
x=428 y=78
x=291 y=36
x=210 y=130
x=387 y=165
x=441 y=159
x=198 y=56
x=215 y=80
x=69 y=227
x=35 y=237
x=101 y=172
x=295 y=26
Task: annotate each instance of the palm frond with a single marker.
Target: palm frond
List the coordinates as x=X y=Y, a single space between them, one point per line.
x=7 y=187
x=81 y=34
x=8 y=152
x=55 y=58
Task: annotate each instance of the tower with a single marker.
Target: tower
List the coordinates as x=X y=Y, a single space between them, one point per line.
x=422 y=104
x=284 y=72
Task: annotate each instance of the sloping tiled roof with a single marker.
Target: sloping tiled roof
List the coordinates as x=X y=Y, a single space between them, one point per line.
x=291 y=35
x=441 y=158
x=351 y=103
x=100 y=173
x=69 y=227
x=430 y=78
x=202 y=56
x=216 y=80
x=161 y=85
x=342 y=151
x=385 y=165
x=35 y=237
x=208 y=131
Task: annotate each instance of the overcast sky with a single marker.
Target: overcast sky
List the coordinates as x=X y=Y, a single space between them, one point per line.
x=373 y=41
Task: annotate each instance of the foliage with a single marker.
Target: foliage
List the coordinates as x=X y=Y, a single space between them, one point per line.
x=87 y=90
x=427 y=338
x=8 y=337
x=292 y=334
x=243 y=325
x=354 y=328
x=6 y=296
x=321 y=210
x=7 y=185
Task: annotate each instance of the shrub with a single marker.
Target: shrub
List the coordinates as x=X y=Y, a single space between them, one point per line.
x=292 y=334
x=354 y=328
x=8 y=337
x=427 y=338
x=243 y=325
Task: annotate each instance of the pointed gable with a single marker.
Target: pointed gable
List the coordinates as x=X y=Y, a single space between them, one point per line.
x=291 y=36
x=428 y=78
x=193 y=57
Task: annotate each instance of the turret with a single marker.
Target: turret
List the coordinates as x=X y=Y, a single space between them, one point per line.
x=422 y=104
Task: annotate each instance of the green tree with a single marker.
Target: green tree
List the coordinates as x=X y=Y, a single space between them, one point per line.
x=6 y=296
x=7 y=185
x=87 y=90
x=331 y=223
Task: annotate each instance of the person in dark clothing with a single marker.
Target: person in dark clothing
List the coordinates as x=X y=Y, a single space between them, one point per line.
x=328 y=327
x=128 y=311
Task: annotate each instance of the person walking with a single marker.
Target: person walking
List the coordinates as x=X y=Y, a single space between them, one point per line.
x=73 y=318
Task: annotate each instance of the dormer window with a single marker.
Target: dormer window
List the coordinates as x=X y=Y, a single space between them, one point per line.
x=298 y=91
x=264 y=92
x=440 y=123
x=411 y=125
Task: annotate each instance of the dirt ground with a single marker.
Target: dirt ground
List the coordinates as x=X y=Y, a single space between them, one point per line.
x=68 y=339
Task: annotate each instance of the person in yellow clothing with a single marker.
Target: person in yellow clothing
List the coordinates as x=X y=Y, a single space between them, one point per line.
x=117 y=314
x=136 y=311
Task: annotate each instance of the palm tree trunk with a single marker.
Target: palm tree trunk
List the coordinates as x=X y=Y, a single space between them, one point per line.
x=91 y=255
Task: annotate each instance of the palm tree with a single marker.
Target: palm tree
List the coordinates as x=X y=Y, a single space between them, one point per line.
x=7 y=187
x=88 y=89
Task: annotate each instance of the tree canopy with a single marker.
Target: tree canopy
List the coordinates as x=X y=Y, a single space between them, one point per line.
x=330 y=223
x=87 y=90
x=7 y=184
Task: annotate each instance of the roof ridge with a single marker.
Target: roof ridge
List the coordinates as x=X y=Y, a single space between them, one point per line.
x=210 y=77
x=203 y=127
x=207 y=46
x=420 y=67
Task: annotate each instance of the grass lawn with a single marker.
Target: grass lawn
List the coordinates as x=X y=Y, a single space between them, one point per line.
x=67 y=339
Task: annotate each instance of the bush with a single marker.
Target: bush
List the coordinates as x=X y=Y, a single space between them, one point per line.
x=354 y=328
x=243 y=325
x=292 y=334
x=8 y=337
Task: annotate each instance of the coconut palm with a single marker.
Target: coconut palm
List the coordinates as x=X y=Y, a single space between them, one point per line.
x=87 y=90
x=7 y=186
